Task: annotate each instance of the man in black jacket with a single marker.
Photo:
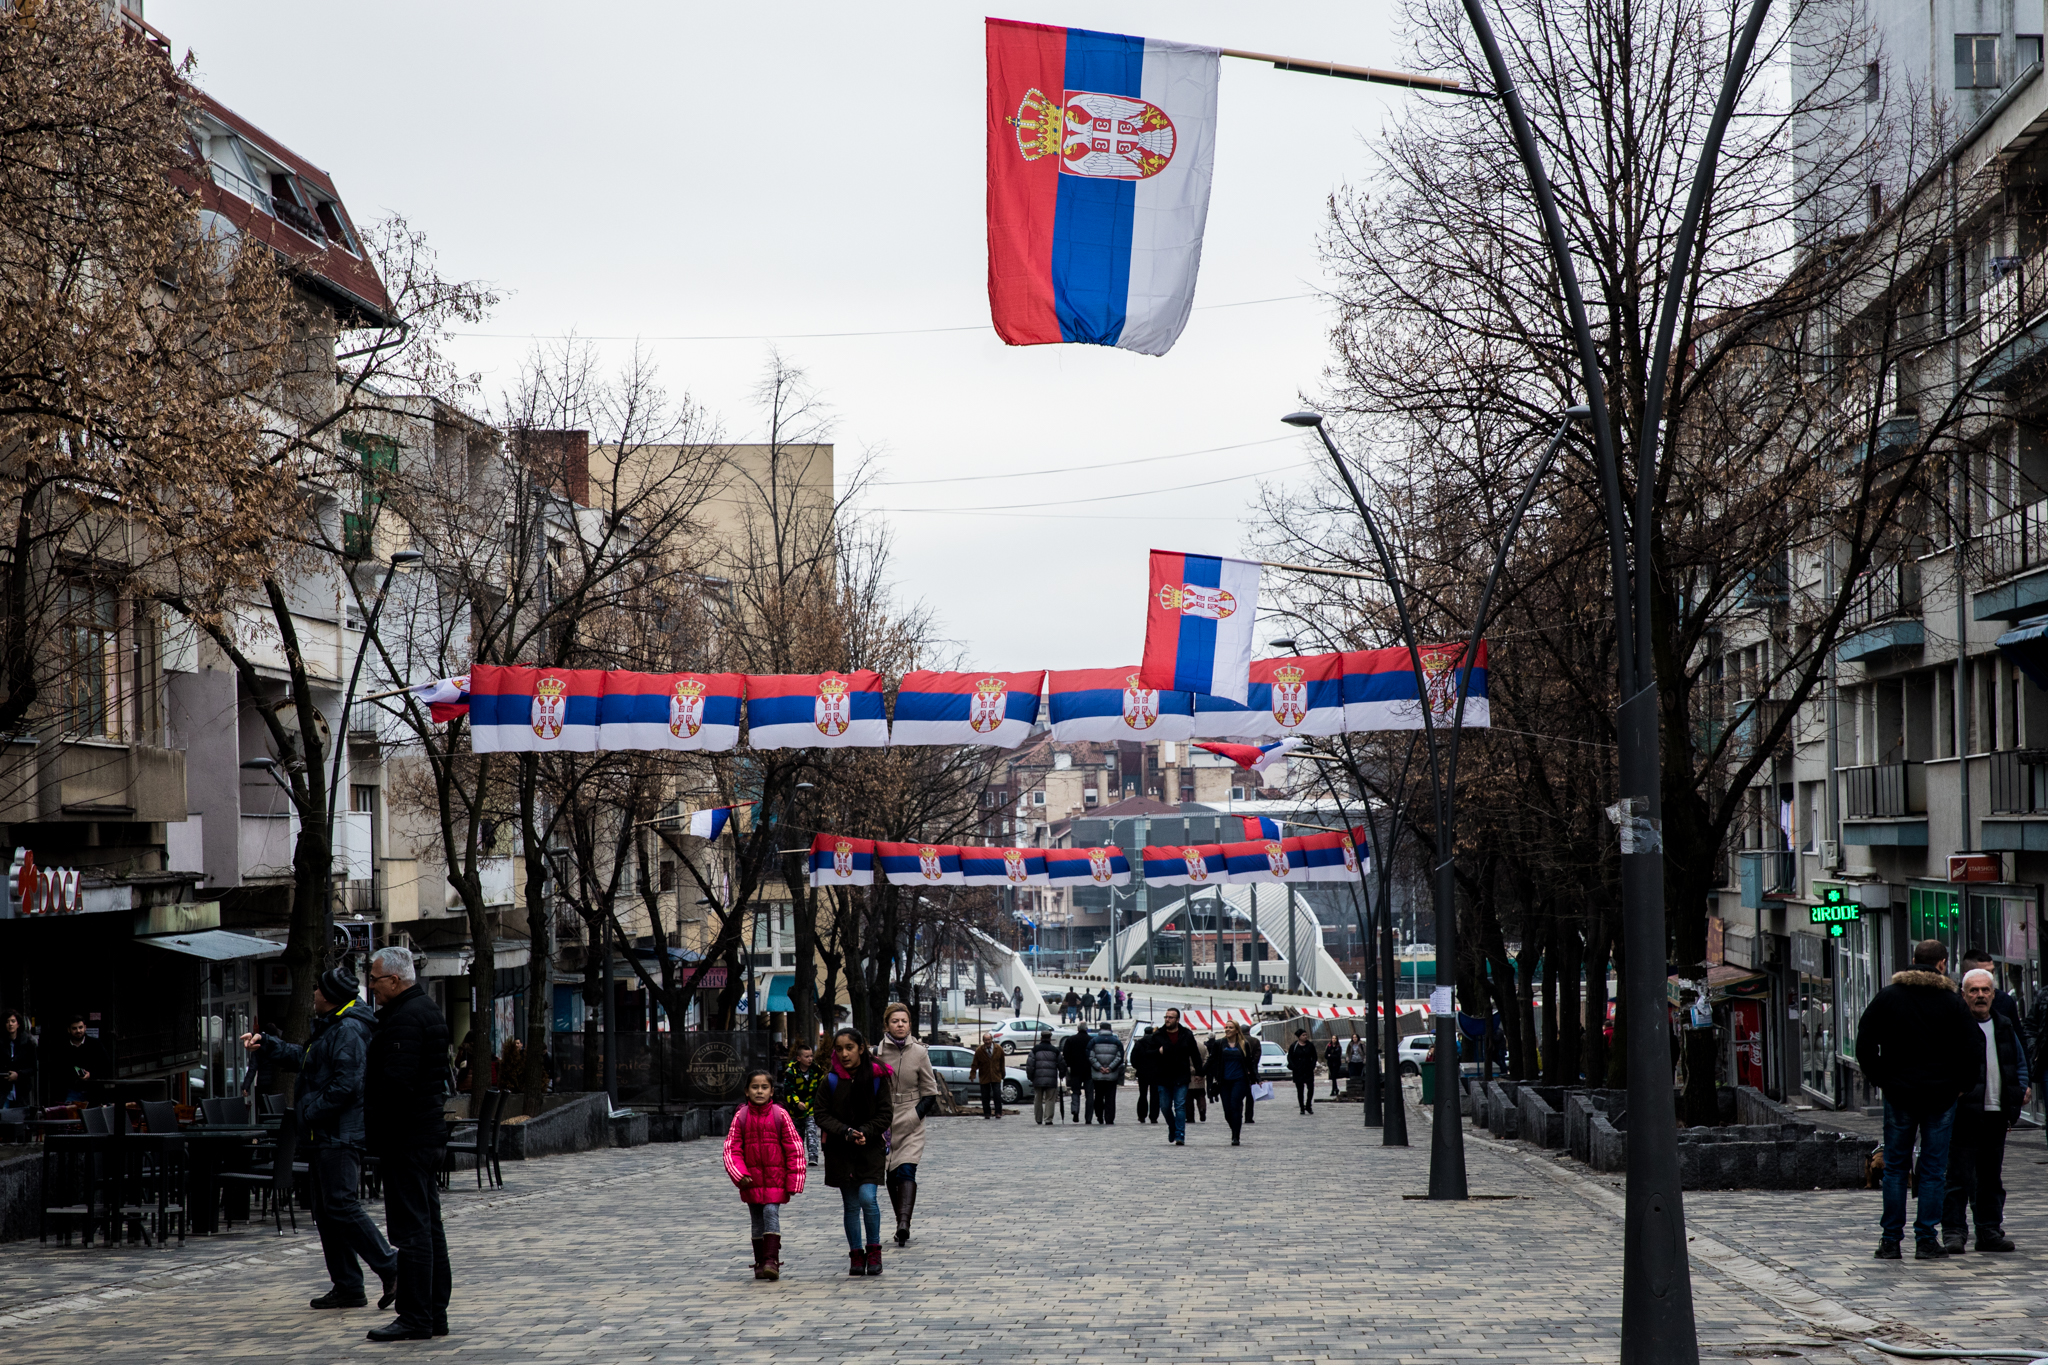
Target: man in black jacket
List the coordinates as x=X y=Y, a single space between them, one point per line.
x=1983 y=1114
x=1301 y=1064
x=1175 y=1059
x=404 y=1083
x=1142 y=1053
x=330 y=1120
x=1074 y=1052
x=1917 y=1043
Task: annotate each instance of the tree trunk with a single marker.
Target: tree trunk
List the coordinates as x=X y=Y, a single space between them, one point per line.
x=1616 y=1071
x=539 y=957
x=1571 y=1017
x=803 y=989
x=1553 y=1004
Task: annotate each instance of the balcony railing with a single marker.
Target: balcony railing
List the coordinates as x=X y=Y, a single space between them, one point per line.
x=2019 y=782
x=2017 y=541
x=1761 y=872
x=1882 y=593
x=1882 y=790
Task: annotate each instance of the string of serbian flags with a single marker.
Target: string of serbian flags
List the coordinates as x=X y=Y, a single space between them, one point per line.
x=516 y=709
x=1329 y=856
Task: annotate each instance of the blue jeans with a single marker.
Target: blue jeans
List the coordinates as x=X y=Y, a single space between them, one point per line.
x=858 y=1203
x=1174 y=1100
x=1932 y=1132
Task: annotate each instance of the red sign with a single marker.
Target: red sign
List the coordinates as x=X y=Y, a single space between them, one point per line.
x=1975 y=867
x=710 y=979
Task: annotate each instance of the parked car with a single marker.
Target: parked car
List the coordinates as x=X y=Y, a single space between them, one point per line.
x=1273 y=1062
x=1021 y=1035
x=955 y=1066
x=1414 y=1050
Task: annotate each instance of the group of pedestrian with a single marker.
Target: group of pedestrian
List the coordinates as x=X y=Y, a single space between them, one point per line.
x=1100 y=1007
x=1173 y=1070
x=863 y=1113
x=373 y=1082
x=1951 y=1060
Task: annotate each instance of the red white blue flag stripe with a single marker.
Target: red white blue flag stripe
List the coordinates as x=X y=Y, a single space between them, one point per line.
x=1109 y=866
x=1111 y=704
x=445 y=699
x=1263 y=860
x=1261 y=827
x=1331 y=856
x=966 y=708
x=709 y=824
x=919 y=864
x=692 y=712
x=1254 y=758
x=516 y=710
x=816 y=711
x=1198 y=625
x=1379 y=687
x=1100 y=149
x=1002 y=866
x=1186 y=865
x=837 y=860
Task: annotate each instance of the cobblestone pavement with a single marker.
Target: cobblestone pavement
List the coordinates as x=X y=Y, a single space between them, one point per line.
x=1068 y=1244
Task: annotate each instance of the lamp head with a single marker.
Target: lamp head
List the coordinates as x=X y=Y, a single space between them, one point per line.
x=1579 y=412
x=257 y=765
x=1280 y=644
x=1303 y=419
x=405 y=559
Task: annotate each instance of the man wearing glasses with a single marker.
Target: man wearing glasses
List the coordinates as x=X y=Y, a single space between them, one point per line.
x=404 y=1085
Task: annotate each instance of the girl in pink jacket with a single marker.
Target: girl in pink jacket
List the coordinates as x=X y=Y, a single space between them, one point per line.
x=764 y=1155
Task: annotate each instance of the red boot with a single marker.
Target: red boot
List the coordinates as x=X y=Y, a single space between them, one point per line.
x=874 y=1265
x=771 y=1268
x=859 y=1264
x=758 y=1259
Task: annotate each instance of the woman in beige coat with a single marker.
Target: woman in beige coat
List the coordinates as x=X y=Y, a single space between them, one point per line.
x=914 y=1094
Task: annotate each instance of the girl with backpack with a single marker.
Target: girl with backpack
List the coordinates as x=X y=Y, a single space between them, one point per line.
x=854 y=1106
x=764 y=1155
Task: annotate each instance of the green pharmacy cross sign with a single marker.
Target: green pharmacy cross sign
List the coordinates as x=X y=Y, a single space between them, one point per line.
x=1835 y=910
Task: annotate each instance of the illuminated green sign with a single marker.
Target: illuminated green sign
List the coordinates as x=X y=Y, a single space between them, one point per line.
x=1835 y=910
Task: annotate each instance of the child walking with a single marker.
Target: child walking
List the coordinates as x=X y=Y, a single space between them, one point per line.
x=765 y=1157
x=854 y=1108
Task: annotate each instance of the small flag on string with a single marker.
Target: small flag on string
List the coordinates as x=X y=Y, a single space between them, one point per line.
x=445 y=699
x=1260 y=826
x=1198 y=625
x=709 y=824
x=1254 y=758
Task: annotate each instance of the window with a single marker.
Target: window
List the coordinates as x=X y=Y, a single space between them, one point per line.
x=1870 y=83
x=2029 y=54
x=1237 y=793
x=1859 y=968
x=362 y=799
x=376 y=460
x=1038 y=798
x=668 y=875
x=90 y=692
x=1976 y=61
x=1935 y=914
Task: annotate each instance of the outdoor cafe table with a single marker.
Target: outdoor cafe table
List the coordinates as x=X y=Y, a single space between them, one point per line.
x=212 y=1148
x=105 y=1163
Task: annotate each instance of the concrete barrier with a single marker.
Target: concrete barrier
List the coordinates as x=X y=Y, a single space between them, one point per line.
x=1579 y=1108
x=21 y=1192
x=568 y=1123
x=685 y=1125
x=630 y=1130
x=1538 y=1116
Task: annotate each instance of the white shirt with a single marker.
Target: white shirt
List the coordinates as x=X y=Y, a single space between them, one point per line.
x=1990 y=1027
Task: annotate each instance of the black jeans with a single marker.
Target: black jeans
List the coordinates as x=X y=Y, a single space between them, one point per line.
x=412 y=1210
x=1976 y=1161
x=1305 y=1093
x=1198 y=1102
x=1074 y=1094
x=991 y=1099
x=1148 y=1103
x=1105 y=1101
x=1236 y=1098
x=346 y=1231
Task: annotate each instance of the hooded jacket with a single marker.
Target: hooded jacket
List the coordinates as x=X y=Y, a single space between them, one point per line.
x=331 y=1065
x=1105 y=1059
x=1917 y=1042
x=1044 y=1065
x=762 y=1142
x=855 y=1101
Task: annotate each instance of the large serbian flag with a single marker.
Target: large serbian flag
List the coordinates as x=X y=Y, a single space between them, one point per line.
x=1330 y=856
x=1002 y=866
x=816 y=711
x=1100 y=148
x=1379 y=687
x=1198 y=625
x=534 y=710
x=1072 y=867
x=1263 y=860
x=684 y=711
x=919 y=864
x=837 y=860
x=1185 y=865
x=966 y=708
x=1111 y=704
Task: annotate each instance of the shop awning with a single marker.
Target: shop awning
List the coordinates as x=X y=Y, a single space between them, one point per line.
x=2027 y=646
x=778 y=994
x=1740 y=982
x=216 y=945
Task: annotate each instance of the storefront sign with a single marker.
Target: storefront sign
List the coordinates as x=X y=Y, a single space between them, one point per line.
x=1975 y=867
x=1806 y=954
x=1835 y=909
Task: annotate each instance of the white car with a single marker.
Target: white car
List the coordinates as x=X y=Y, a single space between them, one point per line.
x=1414 y=1051
x=1021 y=1035
x=955 y=1066
x=1273 y=1063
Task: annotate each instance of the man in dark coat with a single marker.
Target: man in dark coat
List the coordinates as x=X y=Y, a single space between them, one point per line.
x=17 y=1064
x=1301 y=1064
x=1986 y=1110
x=1044 y=1066
x=330 y=1120
x=1142 y=1053
x=404 y=1084
x=1176 y=1058
x=1074 y=1053
x=75 y=1064
x=1918 y=1044
x=1106 y=1072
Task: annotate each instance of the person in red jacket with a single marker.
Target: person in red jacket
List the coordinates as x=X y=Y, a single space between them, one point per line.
x=764 y=1155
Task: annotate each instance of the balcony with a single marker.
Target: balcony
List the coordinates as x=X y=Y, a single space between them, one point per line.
x=1764 y=873
x=1885 y=804
x=1754 y=718
x=97 y=779
x=1884 y=612
x=2015 y=564
x=2019 y=782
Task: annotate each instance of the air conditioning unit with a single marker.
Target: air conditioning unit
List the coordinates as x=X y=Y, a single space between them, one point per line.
x=1830 y=854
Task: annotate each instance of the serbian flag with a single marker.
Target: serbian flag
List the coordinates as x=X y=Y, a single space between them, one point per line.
x=1292 y=696
x=709 y=824
x=1327 y=857
x=919 y=864
x=1262 y=860
x=1254 y=758
x=1088 y=867
x=534 y=710
x=1100 y=148
x=445 y=699
x=966 y=708
x=1185 y=865
x=839 y=861
x=1111 y=704
x=1379 y=687
x=697 y=712
x=816 y=711
x=1198 y=625
x=1002 y=866
x=1260 y=827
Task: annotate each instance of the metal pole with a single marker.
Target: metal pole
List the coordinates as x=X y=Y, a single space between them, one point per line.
x=1256 y=952
x=611 y=1032
x=340 y=740
x=1144 y=896
x=1293 y=945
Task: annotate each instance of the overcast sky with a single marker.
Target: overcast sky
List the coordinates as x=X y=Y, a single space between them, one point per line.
x=758 y=174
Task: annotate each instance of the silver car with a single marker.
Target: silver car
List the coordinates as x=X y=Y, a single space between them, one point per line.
x=955 y=1066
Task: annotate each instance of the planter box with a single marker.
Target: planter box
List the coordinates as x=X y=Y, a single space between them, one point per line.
x=629 y=1130
x=570 y=1123
x=1538 y=1116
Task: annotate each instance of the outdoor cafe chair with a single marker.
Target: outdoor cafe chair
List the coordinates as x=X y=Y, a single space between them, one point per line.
x=97 y=1122
x=279 y=1180
x=270 y=1106
x=160 y=1116
x=482 y=1142
x=228 y=1111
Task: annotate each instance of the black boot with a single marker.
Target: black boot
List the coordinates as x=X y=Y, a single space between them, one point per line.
x=904 y=1210
x=896 y=1203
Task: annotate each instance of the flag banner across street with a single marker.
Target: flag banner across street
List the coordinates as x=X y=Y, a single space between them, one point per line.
x=1198 y=625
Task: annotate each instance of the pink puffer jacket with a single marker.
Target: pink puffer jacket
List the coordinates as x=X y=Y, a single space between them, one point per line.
x=763 y=1143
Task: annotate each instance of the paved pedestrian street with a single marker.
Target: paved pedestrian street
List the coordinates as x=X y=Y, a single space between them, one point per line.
x=1067 y=1244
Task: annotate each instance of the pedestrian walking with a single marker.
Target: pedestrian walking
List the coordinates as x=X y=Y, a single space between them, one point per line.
x=1017 y=1002
x=1354 y=1057
x=1074 y=1055
x=329 y=1119
x=1919 y=1045
x=1198 y=1085
x=405 y=1074
x=764 y=1155
x=79 y=1062
x=1333 y=1058
x=1105 y=1072
x=801 y=1075
x=990 y=1066
x=1044 y=1068
x=1175 y=1061
x=1118 y=1001
x=914 y=1092
x=1070 y=1008
x=1991 y=1106
x=1142 y=1053
x=17 y=1065
x=1301 y=1064
x=854 y=1108
x=1102 y=1004
x=1233 y=1066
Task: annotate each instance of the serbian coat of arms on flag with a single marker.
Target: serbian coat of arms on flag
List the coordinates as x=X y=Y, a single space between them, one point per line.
x=1100 y=148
